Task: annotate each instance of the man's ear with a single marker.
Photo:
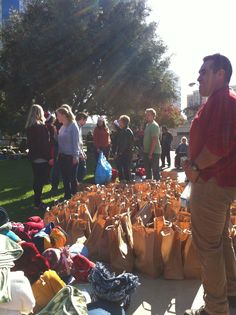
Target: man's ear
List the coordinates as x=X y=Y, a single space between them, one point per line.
x=221 y=74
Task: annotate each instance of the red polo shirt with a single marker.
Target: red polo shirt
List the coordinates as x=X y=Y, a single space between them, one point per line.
x=214 y=126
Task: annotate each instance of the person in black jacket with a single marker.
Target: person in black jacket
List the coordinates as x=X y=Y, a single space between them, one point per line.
x=124 y=146
x=166 y=140
x=40 y=151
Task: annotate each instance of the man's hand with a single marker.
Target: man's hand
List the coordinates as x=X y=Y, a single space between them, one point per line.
x=191 y=175
x=150 y=155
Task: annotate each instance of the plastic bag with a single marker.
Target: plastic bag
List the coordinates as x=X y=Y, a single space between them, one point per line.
x=185 y=196
x=103 y=171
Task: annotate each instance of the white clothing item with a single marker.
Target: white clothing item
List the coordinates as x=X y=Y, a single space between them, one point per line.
x=23 y=300
x=9 y=251
x=81 y=141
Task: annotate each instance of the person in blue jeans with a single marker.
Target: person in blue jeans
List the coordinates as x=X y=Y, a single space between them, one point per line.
x=68 y=150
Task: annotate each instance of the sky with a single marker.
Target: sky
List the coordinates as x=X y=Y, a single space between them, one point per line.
x=193 y=29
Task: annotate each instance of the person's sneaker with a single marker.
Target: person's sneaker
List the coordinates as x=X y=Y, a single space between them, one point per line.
x=200 y=311
x=232 y=301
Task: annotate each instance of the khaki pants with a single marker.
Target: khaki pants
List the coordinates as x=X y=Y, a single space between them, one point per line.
x=209 y=204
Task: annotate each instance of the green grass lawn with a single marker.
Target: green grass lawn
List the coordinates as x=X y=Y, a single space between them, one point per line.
x=16 y=194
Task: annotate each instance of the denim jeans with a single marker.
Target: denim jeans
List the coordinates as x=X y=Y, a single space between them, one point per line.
x=55 y=175
x=165 y=155
x=40 y=178
x=81 y=170
x=69 y=174
x=123 y=163
x=151 y=166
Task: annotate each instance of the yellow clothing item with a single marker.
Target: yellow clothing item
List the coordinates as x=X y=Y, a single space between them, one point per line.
x=45 y=288
x=58 y=238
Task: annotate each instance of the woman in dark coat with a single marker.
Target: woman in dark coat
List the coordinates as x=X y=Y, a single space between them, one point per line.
x=40 y=151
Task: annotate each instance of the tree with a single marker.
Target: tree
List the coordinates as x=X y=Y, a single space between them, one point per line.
x=169 y=116
x=100 y=56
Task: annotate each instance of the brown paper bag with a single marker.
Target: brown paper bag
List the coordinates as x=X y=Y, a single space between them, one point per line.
x=172 y=208
x=94 y=238
x=192 y=267
x=146 y=213
x=171 y=254
x=144 y=247
x=147 y=247
x=121 y=253
x=184 y=224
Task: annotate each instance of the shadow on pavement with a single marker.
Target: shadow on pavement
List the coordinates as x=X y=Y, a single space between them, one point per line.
x=162 y=297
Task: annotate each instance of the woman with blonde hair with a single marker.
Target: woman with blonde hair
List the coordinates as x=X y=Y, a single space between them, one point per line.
x=40 y=153
x=68 y=149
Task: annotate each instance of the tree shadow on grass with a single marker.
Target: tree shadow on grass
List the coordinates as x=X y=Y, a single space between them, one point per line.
x=14 y=192
x=20 y=211
x=22 y=206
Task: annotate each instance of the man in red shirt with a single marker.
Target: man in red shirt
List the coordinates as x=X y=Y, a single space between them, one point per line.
x=212 y=172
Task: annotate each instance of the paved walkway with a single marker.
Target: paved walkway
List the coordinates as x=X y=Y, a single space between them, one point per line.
x=166 y=297
x=162 y=297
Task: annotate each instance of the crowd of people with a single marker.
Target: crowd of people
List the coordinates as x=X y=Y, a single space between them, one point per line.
x=56 y=148
x=209 y=165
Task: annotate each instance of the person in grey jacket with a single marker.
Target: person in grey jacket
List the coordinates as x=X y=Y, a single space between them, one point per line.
x=68 y=150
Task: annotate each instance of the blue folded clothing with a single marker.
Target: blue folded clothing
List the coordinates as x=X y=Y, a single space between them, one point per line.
x=107 y=286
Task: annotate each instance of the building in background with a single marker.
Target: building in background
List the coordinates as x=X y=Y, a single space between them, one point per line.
x=194 y=101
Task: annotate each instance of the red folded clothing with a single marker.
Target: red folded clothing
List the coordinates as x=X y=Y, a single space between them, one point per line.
x=31 y=262
x=81 y=268
x=34 y=223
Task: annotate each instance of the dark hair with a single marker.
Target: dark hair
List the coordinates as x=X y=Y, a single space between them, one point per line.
x=220 y=62
x=81 y=115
